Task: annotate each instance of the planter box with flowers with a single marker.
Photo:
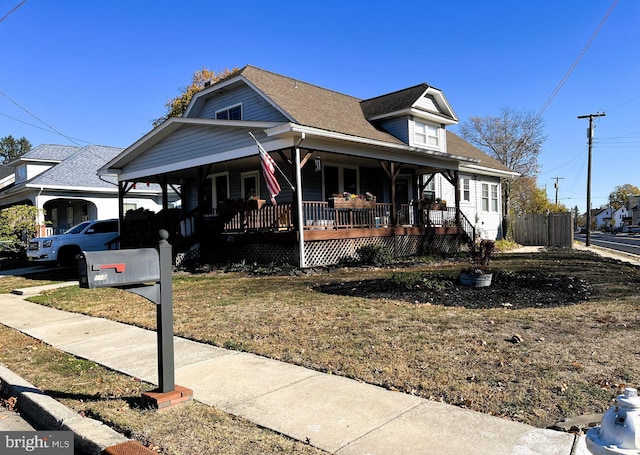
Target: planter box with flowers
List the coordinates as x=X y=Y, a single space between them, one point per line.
x=352 y=201
x=428 y=205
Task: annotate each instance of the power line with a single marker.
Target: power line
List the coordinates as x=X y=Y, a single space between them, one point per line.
x=15 y=8
x=39 y=127
x=577 y=60
x=37 y=118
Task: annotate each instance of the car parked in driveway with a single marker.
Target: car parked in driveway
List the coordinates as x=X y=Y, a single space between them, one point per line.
x=91 y=235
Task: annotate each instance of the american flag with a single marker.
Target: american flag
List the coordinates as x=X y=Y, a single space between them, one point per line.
x=268 y=169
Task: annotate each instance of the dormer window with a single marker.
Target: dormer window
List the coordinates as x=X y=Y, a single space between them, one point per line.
x=425 y=134
x=21 y=173
x=230 y=113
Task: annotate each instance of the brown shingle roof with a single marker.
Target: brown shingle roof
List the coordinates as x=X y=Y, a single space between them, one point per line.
x=458 y=146
x=314 y=106
x=392 y=102
x=309 y=105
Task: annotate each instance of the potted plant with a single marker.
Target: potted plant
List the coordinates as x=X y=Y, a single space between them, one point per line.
x=479 y=275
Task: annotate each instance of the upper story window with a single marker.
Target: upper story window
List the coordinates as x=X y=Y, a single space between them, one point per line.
x=425 y=134
x=230 y=113
x=21 y=173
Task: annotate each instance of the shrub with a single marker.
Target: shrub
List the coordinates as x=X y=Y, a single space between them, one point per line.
x=374 y=254
x=506 y=245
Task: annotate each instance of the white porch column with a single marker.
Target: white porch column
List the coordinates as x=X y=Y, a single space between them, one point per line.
x=303 y=261
x=38 y=202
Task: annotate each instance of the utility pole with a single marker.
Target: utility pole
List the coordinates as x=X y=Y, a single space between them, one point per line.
x=590 y=138
x=556 y=186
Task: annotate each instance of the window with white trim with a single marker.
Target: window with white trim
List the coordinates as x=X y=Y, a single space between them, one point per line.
x=21 y=173
x=489 y=197
x=465 y=189
x=429 y=190
x=230 y=113
x=494 y=198
x=425 y=134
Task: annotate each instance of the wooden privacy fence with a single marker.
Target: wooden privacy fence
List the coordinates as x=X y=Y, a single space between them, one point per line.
x=539 y=229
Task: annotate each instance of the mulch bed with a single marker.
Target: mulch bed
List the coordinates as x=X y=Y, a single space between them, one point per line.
x=508 y=290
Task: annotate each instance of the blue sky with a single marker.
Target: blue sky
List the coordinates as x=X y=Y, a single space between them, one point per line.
x=100 y=72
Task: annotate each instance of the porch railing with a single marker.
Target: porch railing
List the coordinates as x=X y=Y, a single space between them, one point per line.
x=319 y=215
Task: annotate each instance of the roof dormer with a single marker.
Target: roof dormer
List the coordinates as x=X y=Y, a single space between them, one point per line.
x=421 y=101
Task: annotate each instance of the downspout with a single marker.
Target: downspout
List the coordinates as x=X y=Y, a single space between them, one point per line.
x=303 y=262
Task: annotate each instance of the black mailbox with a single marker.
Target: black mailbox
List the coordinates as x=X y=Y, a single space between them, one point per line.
x=118 y=268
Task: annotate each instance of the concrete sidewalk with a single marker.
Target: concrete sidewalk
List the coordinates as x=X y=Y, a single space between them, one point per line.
x=336 y=414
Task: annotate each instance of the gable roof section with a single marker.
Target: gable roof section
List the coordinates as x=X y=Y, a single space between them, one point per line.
x=79 y=169
x=419 y=99
x=458 y=146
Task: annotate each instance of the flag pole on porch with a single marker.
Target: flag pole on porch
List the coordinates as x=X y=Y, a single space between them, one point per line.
x=268 y=166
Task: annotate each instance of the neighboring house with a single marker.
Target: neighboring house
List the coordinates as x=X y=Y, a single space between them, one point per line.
x=608 y=218
x=618 y=217
x=7 y=176
x=394 y=147
x=601 y=218
x=61 y=180
x=633 y=207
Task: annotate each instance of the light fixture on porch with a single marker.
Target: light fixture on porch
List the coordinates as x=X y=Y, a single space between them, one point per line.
x=317 y=163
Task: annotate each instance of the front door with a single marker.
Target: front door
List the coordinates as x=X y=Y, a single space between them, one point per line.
x=220 y=188
x=403 y=189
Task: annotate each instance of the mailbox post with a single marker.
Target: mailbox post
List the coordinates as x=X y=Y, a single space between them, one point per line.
x=164 y=318
x=146 y=272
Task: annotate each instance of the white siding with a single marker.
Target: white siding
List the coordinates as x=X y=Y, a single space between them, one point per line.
x=428 y=103
x=488 y=224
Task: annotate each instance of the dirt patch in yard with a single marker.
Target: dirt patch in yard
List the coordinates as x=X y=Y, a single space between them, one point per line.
x=508 y=290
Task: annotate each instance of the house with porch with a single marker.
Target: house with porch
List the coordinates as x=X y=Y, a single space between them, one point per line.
x=382 y=171
x=62 y=182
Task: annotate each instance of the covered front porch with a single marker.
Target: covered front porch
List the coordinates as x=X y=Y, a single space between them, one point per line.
x=334 y=199
x=257 y=231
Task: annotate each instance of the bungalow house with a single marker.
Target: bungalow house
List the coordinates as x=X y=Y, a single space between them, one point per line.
x=352 y=173
x=61 y=181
